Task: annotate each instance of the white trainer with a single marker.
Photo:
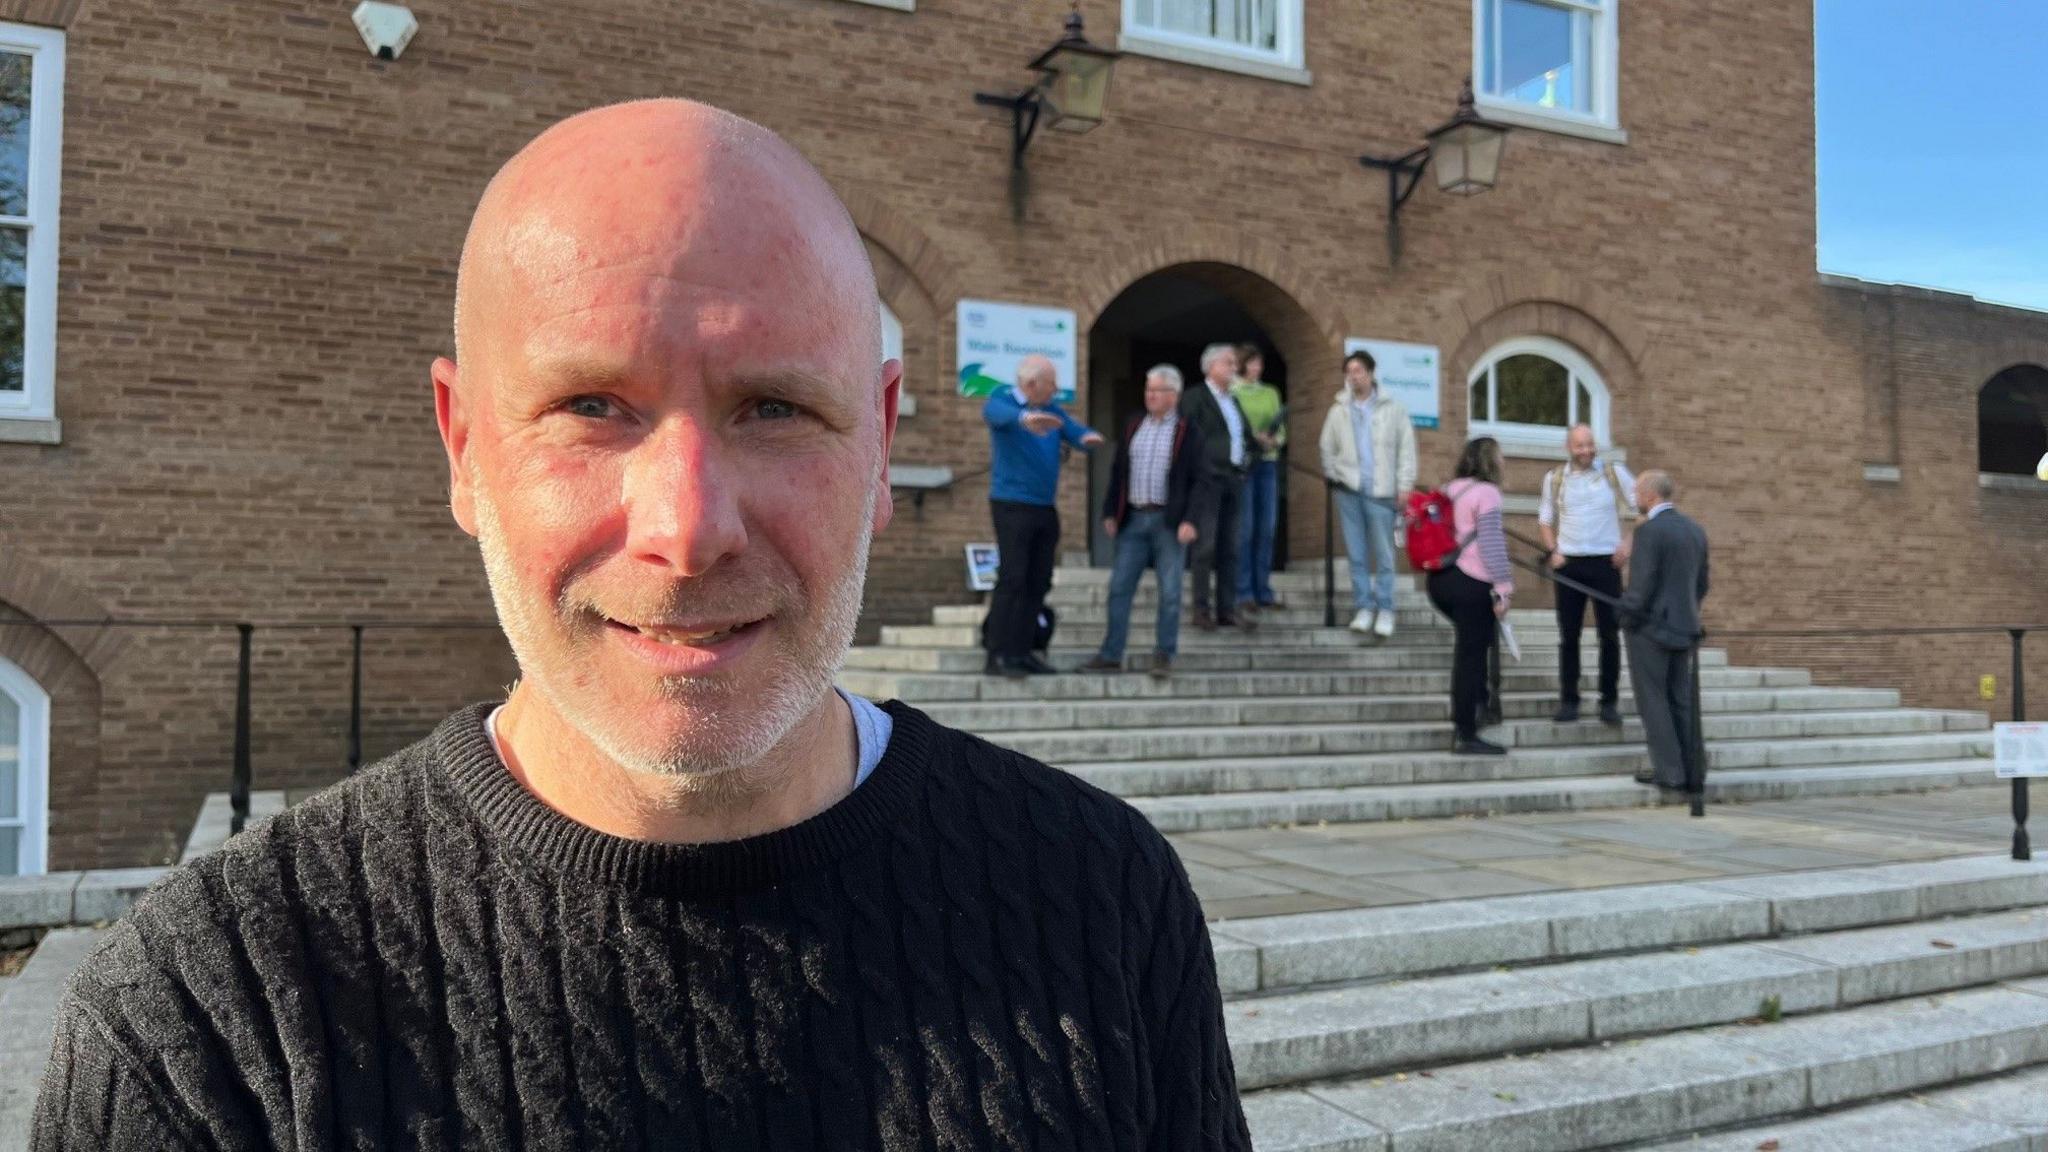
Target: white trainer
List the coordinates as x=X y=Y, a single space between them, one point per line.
x=1384 y=626
x=1362 y=622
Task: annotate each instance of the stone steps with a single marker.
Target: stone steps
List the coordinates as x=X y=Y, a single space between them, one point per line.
x=1429 y=801
x=1289 y=1038
x=1015 y=716
x=2007 y=1113
x=1821 y=731
x=1667 y=1086
x=1142 y=636
x=1529 y=1023
x=1091 y=612
x=1231 y=658
x=923 y=689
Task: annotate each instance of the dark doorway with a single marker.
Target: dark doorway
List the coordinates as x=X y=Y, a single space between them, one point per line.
x=1165 y=318
x=2012 y=421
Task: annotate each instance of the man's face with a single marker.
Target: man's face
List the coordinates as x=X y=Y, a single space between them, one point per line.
x=1358 y=376
x=1580 y=444
x=1039 y=387
x=1646 y=499
x=672 y=452
x=1160 y=397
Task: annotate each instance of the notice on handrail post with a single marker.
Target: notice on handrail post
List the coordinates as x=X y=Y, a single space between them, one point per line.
x=2020 y=749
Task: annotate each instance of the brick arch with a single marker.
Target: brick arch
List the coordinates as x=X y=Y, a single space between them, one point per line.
x=1298 y=313
x=74 y=749
x=1499 y=293
x=40 y=591
x=1269 y=262
x=50 y=13
x=1991 y=359
x=1593 y=334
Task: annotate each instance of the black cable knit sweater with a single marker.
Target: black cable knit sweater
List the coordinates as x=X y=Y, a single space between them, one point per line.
x=972 y=951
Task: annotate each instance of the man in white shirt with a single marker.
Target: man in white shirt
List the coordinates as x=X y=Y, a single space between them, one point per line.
x=1581 y=516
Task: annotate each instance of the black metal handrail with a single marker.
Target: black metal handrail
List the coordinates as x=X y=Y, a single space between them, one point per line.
x=2022 y=847
x=1329 y=539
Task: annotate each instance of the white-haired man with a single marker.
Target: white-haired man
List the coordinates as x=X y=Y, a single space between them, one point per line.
x=1227 y=446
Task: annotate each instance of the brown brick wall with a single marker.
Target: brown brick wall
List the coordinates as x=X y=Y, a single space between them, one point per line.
x=261 y=225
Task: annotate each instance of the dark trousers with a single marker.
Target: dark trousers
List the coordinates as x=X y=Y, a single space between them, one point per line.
x=1215 y=548
x=1469 y=604
x=1599 y=574
x=1663 y=682
x=1027 y=542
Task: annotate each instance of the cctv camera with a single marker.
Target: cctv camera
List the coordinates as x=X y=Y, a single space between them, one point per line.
x=386 y=28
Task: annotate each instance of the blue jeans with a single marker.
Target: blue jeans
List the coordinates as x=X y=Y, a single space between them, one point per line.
x=1145 y=541
x=1255 y=533
x=1369 y=528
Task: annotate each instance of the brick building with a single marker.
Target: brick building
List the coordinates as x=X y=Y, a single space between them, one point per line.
x=233 y=233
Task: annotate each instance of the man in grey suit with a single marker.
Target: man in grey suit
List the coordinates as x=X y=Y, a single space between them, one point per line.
x=1661 y=612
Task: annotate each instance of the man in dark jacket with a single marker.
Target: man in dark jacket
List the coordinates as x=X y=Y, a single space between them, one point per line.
x=1157 y=489
x=1661 y=612
x=1227 y=449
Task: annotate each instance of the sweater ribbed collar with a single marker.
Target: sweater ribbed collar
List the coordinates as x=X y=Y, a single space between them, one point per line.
x=516 y=818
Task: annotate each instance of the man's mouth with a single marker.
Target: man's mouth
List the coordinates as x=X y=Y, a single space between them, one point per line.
x=697 y=636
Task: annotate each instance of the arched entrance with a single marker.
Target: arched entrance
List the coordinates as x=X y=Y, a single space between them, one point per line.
x=1167 y=317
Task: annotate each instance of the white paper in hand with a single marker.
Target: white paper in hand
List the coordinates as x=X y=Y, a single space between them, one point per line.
x=1508 y=641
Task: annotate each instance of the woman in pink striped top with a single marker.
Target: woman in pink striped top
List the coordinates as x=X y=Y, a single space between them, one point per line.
x=1474 y=592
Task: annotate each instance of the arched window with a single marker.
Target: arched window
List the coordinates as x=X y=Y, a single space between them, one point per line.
x=1528 y=391
x=2012 y=421
x=24 y=773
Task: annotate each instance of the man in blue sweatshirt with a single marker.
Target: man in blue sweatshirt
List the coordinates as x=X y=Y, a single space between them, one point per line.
x=1025 y=430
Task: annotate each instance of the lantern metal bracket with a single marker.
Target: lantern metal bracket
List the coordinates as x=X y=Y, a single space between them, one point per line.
x=1410 y=165
x=1024 y=109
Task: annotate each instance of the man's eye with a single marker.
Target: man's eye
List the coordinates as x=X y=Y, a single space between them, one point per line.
x=774 y=409
x=590 y=407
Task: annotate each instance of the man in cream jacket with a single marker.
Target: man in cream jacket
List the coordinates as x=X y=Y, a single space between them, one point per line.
x=1368 y=448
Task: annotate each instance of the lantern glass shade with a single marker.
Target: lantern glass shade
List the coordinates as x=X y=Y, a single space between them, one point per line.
x=1076 y=85
x=1466 y=154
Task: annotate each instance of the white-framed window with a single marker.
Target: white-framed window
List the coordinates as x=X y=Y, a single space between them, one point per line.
x=24 y=773
x=31 y=142
x=1549 y=63
x=1529 y=391
x=1261 y=34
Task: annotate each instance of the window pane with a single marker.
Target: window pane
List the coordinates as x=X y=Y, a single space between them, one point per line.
x=10 y=851
x=1533 y=390
x=1480 y=410
x=1246 y=23
x=1542 y=56
x=10 y=758
x=15 y=73
x=13 y=301
x=1582 y=407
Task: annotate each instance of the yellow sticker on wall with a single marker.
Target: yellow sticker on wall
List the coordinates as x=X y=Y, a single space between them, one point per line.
x=1987 y=687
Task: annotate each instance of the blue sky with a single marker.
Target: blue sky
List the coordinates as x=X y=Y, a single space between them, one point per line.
x=1933 y=129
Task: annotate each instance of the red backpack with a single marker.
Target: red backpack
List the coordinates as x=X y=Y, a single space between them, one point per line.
x=1432 y=537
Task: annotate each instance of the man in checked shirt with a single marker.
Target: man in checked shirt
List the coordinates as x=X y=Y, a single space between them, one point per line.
x=1157 y=489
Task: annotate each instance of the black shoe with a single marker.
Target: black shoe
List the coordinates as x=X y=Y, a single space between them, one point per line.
x=1204 y=621
x=1567 y=714
x=1098 y=664
x=1477 y=747
x=1162 y=666
x=1011 y=668
x=1646 y=778
x=1037 y=666
x=1610 y=715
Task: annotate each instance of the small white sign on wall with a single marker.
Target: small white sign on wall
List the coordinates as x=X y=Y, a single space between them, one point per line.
x=993 y=337
x=2020 y=749
x=1409 y=373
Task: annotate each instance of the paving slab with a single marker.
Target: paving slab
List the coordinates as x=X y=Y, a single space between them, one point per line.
x=1915 y=1125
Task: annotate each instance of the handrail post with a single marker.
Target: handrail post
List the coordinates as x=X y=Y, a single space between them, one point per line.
x=1329 y=554
x=238 y=791
x=2021 y=848
x=1696 y=743
x=355 y=699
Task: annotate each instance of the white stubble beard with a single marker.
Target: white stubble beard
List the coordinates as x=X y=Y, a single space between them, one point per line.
x=728 y=734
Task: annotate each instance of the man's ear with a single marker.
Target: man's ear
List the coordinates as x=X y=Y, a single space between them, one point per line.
x=892 y=396
x=453 y=414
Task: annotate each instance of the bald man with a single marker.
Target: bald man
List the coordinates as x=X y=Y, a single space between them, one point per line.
x=675 y=891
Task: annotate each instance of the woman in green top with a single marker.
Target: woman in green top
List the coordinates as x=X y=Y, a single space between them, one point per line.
x=1262 y=408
